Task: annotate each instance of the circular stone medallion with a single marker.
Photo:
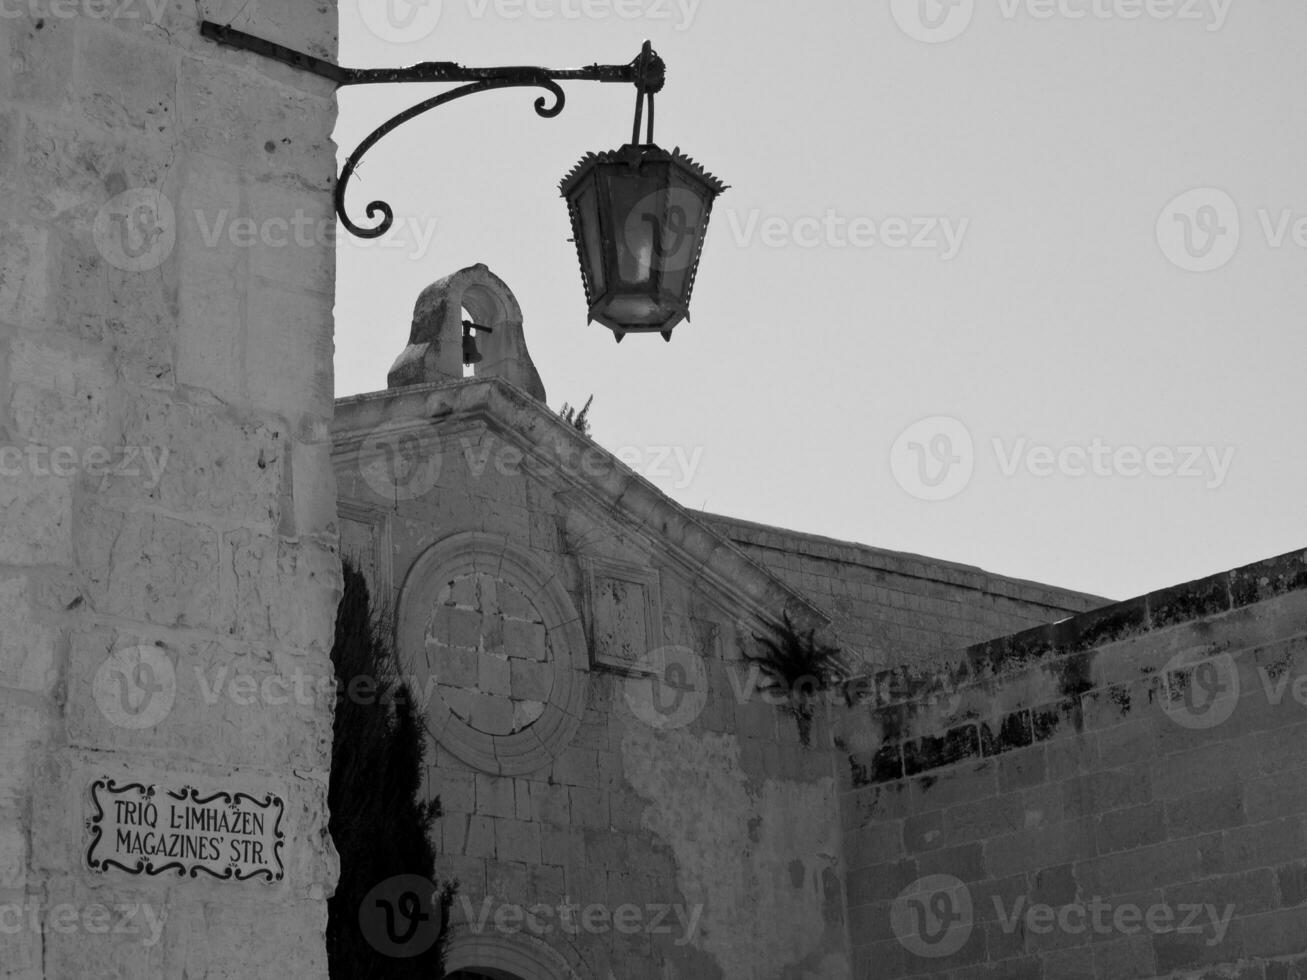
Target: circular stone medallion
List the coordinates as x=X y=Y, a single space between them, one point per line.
x=495 y=641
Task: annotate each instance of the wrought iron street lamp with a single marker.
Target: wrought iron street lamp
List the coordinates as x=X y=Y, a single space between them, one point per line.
x=639 y=214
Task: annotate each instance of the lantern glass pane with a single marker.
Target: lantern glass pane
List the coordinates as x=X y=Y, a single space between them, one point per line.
x=682 y=236
x=587 y=204
x=637 y=199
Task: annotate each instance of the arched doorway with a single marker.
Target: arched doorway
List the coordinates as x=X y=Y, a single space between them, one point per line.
x=471 y=956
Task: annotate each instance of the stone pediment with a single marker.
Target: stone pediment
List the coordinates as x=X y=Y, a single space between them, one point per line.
x=614 y=520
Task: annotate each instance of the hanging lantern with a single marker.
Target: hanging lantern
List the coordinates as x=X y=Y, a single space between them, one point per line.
x=639 y=218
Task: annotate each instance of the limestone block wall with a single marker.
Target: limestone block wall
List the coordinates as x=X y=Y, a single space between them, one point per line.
x=1120 y=795
x=597 y=827
x=892 y=608
x=165 y=482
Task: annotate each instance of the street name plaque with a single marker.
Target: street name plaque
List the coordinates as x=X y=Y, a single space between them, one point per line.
x=149 y=830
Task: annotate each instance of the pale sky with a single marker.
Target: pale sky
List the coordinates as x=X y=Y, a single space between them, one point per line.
x=972 y=216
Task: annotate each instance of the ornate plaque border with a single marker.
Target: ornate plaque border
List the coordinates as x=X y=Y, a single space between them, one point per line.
x=189 y=794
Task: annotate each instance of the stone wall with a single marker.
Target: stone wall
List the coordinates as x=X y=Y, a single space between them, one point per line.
x=597 y=826
x=892 y=608
x=1120 y=795
x=168 y=500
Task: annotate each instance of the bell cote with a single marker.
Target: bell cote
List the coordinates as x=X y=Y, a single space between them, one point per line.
x=435 y=350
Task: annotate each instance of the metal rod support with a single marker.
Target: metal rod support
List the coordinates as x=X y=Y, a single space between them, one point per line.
x=646 y=72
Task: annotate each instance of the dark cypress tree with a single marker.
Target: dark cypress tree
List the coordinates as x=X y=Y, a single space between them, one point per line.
x=379 y=820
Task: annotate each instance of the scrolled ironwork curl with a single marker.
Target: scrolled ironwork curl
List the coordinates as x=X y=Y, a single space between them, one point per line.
x=542 y=107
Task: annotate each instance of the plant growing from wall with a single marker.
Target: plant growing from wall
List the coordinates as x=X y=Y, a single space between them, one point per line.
x=379 y=821
x=797 y=669
x=578 y=420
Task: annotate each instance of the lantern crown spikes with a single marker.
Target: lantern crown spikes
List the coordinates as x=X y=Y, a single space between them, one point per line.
x=639 y=213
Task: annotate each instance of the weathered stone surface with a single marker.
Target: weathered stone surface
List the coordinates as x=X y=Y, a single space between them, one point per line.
x=288 y=352
x=28 y=655
x=38 y=525
x=118 y=552
x=60 y=396
x=125 y=85
x=24 y=281
x=153 y=445
x=265 y=128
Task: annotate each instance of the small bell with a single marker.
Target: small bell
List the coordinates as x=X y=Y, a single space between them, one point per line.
x=470 y=353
